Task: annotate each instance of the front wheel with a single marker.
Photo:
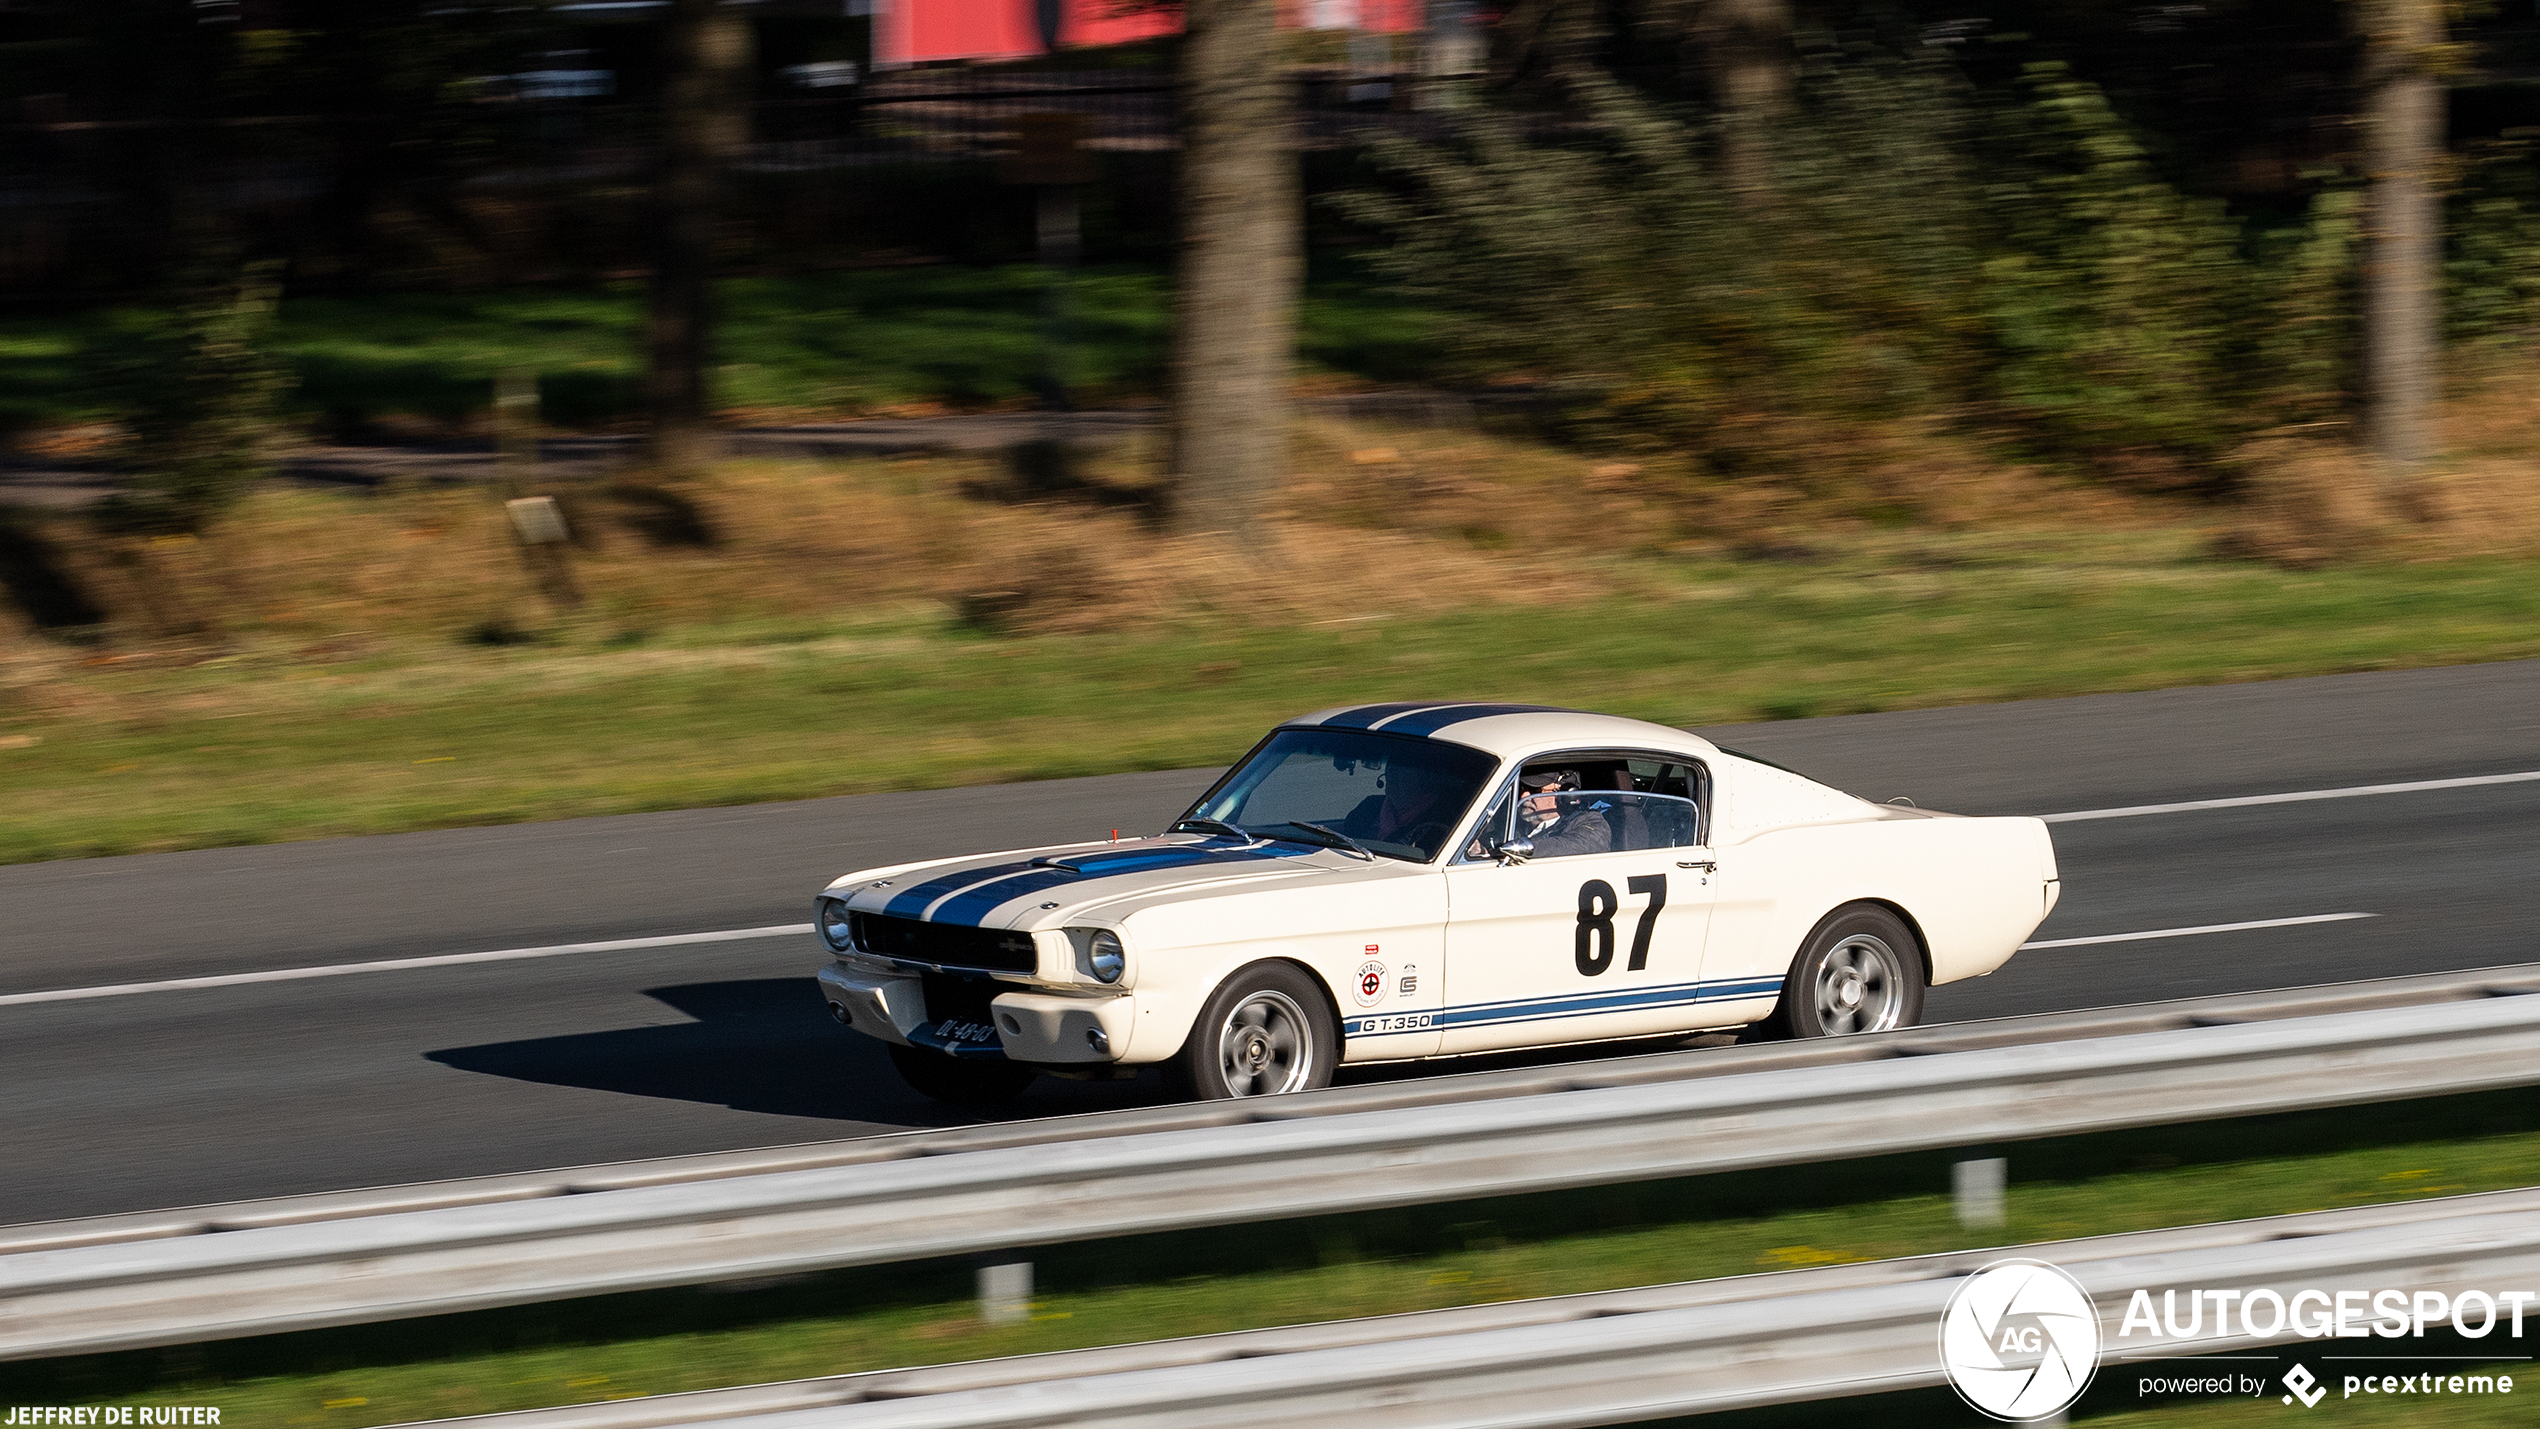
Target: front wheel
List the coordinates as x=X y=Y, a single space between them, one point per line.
x=961 y=1081
x=1268 y=1030
x=1859 y=971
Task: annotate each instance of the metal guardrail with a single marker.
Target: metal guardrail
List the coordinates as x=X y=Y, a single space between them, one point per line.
x=2413 y=991
x=1619 y=1123
x=1617 y=1355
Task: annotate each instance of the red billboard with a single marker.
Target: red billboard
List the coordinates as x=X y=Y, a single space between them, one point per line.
x=917 y=31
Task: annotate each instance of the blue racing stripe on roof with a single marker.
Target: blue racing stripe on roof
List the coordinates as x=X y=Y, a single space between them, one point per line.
x=1366 y=715
x=1431 y=720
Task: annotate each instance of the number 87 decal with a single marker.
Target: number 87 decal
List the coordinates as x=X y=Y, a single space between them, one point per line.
x=1597 y=907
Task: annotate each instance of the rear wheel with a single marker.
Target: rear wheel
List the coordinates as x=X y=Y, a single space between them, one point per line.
x=961 y=1081
x=1860 y=971
x=1268 y=1030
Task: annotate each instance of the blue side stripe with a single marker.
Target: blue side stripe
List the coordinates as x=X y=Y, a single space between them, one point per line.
x=1658 y=991
x=1560 y=1008
x=1595 y=1002
x=1431 y=721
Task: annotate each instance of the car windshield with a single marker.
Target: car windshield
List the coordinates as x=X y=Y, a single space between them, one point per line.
x=1391 y=794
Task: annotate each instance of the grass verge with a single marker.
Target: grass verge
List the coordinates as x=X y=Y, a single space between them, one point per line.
x=1330 y=1268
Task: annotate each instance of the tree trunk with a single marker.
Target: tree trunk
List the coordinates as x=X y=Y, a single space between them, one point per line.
x=2403 y=236
x=704 y=122
x=1240 y=263
x=1746 y=46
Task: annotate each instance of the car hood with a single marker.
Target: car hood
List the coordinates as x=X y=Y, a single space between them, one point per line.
x=1035 y=888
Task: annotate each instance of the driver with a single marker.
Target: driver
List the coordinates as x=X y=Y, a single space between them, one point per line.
x=1415 y=798
x=1556 y=818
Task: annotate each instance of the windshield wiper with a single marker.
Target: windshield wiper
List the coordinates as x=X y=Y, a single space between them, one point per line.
x=1332 y=838
x=1208 y=826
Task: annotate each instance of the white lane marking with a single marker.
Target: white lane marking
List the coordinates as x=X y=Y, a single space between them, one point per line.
x=504 y=955
x=2306 y=795
x=2191 y=932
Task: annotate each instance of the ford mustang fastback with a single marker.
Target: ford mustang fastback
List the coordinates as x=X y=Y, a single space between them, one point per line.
x=1388 y=882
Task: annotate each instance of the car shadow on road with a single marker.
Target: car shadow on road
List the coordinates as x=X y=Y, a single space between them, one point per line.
x=762 y=1045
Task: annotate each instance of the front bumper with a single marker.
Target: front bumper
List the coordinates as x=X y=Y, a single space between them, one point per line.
x=1052 y=1029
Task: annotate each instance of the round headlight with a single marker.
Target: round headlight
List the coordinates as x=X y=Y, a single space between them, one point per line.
x=1109 y=958
x=835 y=930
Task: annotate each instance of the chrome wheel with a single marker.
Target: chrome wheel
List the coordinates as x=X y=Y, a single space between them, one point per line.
x=1265 y=1046
x=1859 y=986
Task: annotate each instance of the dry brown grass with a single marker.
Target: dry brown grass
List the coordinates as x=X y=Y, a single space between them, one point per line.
x=2318 y=500
x=332 y=575
x=1376 y=518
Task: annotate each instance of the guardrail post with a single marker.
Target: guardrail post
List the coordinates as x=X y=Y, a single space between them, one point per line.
x=1978 y=1185
x=1005 y=1292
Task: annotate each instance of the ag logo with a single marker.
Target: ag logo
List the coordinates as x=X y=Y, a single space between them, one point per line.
x=2020 y=1340
x=1369 y=988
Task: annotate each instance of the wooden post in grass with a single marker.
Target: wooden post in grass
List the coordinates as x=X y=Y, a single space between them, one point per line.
x=536 y=520
x=515 y=430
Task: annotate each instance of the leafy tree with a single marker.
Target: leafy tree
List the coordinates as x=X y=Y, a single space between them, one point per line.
x=198 y=393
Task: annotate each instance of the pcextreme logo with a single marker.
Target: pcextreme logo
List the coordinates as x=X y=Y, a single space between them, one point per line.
x=2305 y=1385
x=2020 y=1340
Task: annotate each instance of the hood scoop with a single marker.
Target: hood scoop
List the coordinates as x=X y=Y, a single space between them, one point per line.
x=1149 y=857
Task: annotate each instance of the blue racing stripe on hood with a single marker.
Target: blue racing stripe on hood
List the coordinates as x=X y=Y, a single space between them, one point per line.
x=1075 y=871
x=911 y=902
x=971 y=905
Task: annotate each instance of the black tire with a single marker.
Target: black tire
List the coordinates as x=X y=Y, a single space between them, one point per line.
x=1860 y=970
x=961 y=1081
x=1269 y=1029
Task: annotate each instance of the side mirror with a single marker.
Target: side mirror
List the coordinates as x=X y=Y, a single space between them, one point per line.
x=1515 y=850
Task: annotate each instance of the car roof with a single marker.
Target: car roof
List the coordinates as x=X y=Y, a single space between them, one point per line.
x=1504 y=729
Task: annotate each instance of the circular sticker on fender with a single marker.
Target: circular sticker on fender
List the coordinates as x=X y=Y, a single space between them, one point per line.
x=1369 y=989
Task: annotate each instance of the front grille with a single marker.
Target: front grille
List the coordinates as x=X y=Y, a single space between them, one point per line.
x=947 y=945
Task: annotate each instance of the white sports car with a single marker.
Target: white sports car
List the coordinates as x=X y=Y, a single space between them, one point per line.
x=1396 y=881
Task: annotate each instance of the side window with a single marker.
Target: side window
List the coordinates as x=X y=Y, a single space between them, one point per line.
x=1651 y=776
x=1590 y=801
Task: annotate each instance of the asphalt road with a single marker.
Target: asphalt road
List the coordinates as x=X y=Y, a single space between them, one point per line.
x=175 y=1097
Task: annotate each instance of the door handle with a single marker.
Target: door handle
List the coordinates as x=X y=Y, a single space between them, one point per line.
x=1706 y=865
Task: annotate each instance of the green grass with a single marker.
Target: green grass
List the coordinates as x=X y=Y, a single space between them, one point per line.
x=842 y=343
x=1332 y=1268
x=273 y=743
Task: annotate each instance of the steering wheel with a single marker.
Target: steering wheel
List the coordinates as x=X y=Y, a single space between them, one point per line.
x=1424 y=834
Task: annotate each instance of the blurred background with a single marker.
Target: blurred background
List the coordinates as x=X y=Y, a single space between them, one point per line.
x=949 y=321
